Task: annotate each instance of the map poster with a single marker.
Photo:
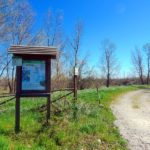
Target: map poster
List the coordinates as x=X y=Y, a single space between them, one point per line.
x=33 y=75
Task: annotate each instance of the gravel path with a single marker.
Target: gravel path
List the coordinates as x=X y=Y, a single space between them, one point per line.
x=132 y=112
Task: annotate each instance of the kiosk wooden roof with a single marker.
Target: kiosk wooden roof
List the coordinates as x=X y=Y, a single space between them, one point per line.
x=21 y=50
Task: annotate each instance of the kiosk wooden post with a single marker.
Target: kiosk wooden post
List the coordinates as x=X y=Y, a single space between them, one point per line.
x=33 y=75
x=49 y=89
x=17 y=109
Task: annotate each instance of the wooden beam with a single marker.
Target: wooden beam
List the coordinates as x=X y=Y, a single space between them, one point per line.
x=48 y=86
x=75 y=97
x=18 y=90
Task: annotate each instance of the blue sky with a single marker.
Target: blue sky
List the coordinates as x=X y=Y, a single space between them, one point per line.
x=125 y=22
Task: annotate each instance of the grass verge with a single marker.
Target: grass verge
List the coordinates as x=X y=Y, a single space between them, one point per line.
x=92 y=130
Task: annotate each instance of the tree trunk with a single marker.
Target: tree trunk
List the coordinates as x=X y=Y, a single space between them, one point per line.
x=12 y=79
x=148 y=78
x=148 y=68
x=108 y=80
x=141 y=78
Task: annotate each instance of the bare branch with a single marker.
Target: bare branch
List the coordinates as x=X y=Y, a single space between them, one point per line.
x=109 y=63
x=137 y=60
x=146 y=48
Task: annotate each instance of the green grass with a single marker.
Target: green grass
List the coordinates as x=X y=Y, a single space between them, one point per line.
x=92 y=130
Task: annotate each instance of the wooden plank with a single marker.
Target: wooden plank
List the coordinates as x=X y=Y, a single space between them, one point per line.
x=35 y=57
x=26 y=50
x=49 y=50
x=62 y=97
x=6 y=101
x=65 y=89
x=48 y=86
x=28 y=46
x=17 y=118
x=75 y=97
x=5 y=95
x=33 y=50
x=35 y=95
x=18 y=90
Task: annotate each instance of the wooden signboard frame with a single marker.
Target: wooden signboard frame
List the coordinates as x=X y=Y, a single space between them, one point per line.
x=25 y=93
x=32 y=93
x=27 y=53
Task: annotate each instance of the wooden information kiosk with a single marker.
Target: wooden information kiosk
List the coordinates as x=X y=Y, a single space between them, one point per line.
x=33 y=75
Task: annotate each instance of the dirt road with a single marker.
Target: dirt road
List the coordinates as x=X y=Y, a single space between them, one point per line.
x=132 y=112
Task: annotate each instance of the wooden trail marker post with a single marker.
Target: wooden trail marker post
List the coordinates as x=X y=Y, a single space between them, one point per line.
x=75 y=91
x=33 y=75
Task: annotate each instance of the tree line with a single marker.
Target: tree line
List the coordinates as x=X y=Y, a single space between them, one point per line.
x=18 y=27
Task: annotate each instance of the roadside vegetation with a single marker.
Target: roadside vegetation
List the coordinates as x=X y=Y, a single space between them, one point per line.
x=93 y=129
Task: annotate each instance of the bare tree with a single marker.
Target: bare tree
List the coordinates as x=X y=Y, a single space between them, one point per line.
x=18 y=30
x=37 y=38
x=109 y=63
x=147 y=53
x=75 y=43
x=82 y=64
x=137 y=60
x=75 y=58
x=3 y=64
x=54 y=37
x=21 y=23
x=4 y=16
x=53 y=28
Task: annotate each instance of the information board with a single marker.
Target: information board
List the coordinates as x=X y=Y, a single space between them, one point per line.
x=33 y=75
